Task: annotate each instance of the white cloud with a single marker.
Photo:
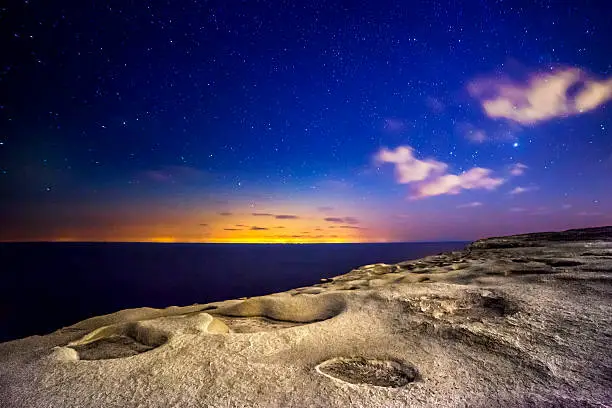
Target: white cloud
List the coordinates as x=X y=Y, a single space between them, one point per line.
x=517 y=209
x=473 y=204
x=518 y=169
x=408 y=168
x=429 y=176
x=476 y=135
x=594 y=94
x=476 y=178
x=543 y=97
x=521 y=190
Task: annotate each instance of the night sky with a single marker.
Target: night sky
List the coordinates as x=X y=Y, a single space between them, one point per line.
x=303 y=121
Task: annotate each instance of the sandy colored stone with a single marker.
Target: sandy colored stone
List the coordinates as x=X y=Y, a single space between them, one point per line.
x=511 y=321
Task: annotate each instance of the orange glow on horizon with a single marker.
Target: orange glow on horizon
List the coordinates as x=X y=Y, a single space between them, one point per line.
x=285 y=223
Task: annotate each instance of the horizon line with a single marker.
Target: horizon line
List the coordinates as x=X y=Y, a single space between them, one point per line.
x=233 y=243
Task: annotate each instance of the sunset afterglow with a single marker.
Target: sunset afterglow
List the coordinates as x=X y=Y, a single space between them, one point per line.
x=210 y=123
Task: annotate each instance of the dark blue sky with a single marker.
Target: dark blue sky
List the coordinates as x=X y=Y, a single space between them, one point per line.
x=352 y=121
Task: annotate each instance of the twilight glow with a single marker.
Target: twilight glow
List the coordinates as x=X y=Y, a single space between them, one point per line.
x=277 y=122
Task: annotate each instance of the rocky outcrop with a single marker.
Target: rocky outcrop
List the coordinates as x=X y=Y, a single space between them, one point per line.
x=512 y=321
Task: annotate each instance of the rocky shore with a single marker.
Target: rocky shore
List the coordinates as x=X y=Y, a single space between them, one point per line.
x=524 y=320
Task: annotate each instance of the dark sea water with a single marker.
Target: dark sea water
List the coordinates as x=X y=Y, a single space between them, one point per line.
x=45 y=286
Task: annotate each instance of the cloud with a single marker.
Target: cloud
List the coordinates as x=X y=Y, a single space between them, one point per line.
x=475 y=178
x=278 y=217
x=594 y=94
x=471 y=132
x=429 y=176
x=407 y=167
x=342 y=220
x=473 y=204
x=232 y=229
x=303 y=236
x=286 y=217
x=259 y=229
x=225 y=214
x=521 y=190
x=476 y=135
x=498 y=131
x=203 y=225
x=545 y=96
x=518 y=169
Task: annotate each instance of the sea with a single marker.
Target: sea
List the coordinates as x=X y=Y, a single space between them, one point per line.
x=46 y=286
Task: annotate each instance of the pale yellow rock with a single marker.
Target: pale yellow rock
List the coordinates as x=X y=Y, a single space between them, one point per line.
x=512 y=321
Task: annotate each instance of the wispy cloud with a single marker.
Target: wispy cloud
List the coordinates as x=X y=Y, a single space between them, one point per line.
x=476 y=178
x=518 y=169
x=225 y=214
x=306 y=236
x=522 y=190
x=481 y=133
x=429 y=177
x=232 y=229
x=472 y=133
x=277 y=216
x=473 y=204
x=259 y=228
x=342 y=220
x=476 y=136
x=286 y=217
x=544 y=96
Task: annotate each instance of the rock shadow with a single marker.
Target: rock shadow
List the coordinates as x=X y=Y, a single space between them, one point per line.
x=118 y=341
x=362 y=371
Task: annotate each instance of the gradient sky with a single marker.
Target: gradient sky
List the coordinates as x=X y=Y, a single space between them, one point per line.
x=291 y=121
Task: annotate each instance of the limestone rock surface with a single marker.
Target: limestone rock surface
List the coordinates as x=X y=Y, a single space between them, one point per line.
x=512 y=321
